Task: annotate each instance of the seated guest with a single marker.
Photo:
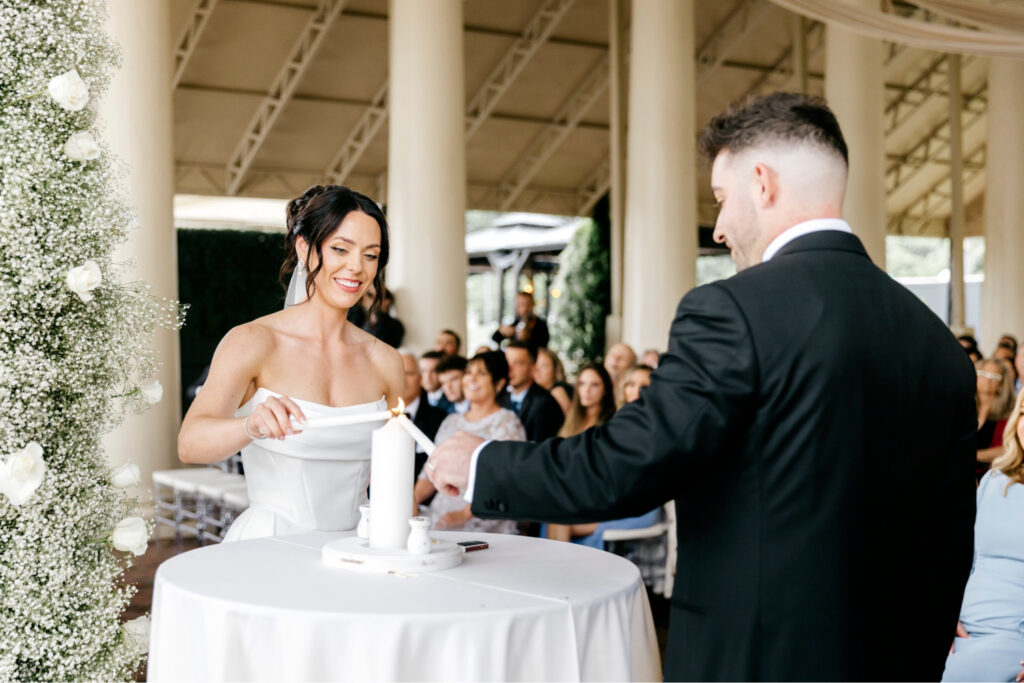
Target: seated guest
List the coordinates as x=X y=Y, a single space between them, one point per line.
x=450 y=371
x=483 y=348
x=448 y=343
x=1018 y=365
x=527 y=326
x=620 y=357
x=636 y=378
x=591 y=406
x=549 y=373
x=380 y=323
x=431 y=382
x=995 y=401
x=423 y=415
x=990 y=638
x=970 y=345
x=650 y=358
x=1006 y=349
x=484 y=382
x=537 y=410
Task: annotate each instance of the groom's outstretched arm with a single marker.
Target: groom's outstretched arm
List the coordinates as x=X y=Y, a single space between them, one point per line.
x=699 y=404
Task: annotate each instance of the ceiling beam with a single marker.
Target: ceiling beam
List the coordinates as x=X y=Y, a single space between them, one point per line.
x=186 y=45
x=348 y=102
x=359 y=138
x=729 y=35
x=537 y=32
x=934 y=142
x=582 y=98
x=281 y=90
x=468 y=28
x=936 y=200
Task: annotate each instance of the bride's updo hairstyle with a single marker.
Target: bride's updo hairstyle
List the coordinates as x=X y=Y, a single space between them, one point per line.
x=315 y=216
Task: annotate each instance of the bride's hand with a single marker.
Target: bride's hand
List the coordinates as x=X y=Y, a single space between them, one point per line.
x=272 y=418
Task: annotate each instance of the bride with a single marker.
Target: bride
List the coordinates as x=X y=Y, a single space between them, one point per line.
x=269 y=375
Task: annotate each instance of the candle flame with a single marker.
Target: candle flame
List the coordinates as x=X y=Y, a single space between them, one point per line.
x=395 y=412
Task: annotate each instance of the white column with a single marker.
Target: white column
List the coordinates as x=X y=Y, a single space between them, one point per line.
x=136 y=116
x=618 y=15
x=855 y=90
x=427 y=168
x=956 y=213
x=661 y=190
x=1002 y=294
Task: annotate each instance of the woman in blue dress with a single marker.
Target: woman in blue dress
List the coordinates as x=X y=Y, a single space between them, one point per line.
x=990 y=637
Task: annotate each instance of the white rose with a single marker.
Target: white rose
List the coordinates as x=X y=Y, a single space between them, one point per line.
x=69 y=90
x=83 y=279
x=152 y=392
x=81 y=146
x=126 y=475
x=137 y=631
x=131 y=535
x=21 y=474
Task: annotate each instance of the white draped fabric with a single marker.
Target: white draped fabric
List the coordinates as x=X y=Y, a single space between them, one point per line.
x=927 y=35
x=1000 y=18
x=525 y=609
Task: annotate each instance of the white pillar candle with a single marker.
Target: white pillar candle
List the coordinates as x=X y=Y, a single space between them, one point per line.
x=391 y=481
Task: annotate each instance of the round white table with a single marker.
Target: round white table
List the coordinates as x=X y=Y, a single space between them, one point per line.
x=524 y=609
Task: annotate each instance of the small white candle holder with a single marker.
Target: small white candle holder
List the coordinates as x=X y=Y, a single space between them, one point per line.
x=419 y=538
x=363 y=530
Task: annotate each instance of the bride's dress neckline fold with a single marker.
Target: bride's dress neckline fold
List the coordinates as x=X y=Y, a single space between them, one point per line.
x=323 y=406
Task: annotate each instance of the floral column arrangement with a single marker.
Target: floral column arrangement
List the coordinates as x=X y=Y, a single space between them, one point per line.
x=75 y=355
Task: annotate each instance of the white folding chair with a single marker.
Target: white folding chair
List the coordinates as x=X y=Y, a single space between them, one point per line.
x=647 y=553
x=177 y=497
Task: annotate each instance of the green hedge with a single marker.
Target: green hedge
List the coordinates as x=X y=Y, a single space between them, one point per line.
x=227 y=277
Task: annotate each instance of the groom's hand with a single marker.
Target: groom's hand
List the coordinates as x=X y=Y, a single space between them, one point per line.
x=448 y=467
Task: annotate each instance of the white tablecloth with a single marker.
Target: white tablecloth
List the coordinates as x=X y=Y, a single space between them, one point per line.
x=523 y=609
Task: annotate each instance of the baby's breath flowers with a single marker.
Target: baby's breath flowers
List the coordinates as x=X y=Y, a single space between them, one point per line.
x=75 y=355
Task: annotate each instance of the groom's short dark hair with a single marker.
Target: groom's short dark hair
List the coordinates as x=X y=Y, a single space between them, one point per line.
x=780 y=116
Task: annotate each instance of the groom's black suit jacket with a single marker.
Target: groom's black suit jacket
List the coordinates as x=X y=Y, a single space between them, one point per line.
x=815 y=424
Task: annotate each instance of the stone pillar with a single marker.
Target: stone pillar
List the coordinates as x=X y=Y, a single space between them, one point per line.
x=855 y=90
x=1002 y=294
x=136 y=119
x=956 y=212
x=427 y=168
x=661 y=189
x=618 y=23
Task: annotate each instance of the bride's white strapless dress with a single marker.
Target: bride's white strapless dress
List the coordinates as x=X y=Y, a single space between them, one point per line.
x=314 y=480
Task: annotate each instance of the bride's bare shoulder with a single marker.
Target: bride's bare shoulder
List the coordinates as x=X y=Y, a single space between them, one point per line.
x=256 y=337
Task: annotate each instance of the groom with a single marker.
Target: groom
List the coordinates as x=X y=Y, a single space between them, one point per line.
x=813 y=421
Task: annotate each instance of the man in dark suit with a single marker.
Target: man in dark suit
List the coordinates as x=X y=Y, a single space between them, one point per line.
x=423 y=415
x=537 y=409
x=527 y=327
x=813 y=421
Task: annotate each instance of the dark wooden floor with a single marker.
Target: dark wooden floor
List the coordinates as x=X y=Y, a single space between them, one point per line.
x=144 y=569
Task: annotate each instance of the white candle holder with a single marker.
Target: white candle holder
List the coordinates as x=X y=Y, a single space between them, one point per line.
x=383 y=542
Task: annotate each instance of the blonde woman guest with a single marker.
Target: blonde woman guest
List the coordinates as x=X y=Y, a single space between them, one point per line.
x=636 y=379
x=990 y=635
x=995 y=400
x=484 y=380
x=549 y=373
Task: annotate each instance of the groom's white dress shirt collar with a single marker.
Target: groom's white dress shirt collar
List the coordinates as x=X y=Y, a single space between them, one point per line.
x=801 y=229
x=434 y=397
